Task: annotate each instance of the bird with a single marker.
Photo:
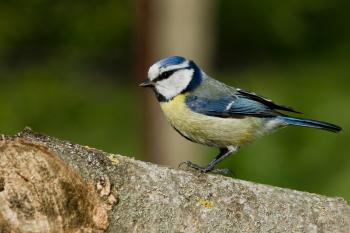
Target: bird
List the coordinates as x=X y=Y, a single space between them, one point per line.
x=209 y=112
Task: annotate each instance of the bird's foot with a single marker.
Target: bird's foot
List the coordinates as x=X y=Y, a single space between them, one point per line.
x=189 y=164
x=223 y=171
x=194 y=166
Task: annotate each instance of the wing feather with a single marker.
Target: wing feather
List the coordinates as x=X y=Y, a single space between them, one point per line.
x=263 y=100
x=214 y=98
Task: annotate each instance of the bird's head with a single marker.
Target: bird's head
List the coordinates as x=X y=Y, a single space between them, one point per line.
x=172 y=76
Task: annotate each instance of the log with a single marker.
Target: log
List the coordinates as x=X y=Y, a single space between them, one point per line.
x=51 y=185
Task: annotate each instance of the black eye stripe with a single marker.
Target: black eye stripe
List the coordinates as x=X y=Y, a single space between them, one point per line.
x=167 y=74
x=164 y=75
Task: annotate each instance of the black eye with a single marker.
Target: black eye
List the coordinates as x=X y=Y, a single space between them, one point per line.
x=166 y=74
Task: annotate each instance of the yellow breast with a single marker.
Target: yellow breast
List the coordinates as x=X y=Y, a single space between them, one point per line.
x=213 y=131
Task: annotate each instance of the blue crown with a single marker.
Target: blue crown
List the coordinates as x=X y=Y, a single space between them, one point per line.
x=173 y=60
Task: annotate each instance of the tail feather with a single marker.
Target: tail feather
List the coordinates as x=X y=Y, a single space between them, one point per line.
x=310 y=123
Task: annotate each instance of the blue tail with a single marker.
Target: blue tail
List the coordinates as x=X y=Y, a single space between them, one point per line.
x=310 y=123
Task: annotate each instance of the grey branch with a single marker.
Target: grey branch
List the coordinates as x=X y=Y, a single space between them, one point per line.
x=50 y=185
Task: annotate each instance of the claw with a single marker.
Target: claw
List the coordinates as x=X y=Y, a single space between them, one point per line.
x=224 y=171
x=189 y=164
x=192 y=165
x=183 y=163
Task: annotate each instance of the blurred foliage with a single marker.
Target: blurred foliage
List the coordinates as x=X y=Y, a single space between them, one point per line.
x=88 y=35
x=79 y=109
x=254 y=31
x=65 y=69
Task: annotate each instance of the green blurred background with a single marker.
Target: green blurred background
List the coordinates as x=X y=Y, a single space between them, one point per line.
x=69 y=69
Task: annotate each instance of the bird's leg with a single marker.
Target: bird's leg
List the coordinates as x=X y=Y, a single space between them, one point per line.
x=224 y=152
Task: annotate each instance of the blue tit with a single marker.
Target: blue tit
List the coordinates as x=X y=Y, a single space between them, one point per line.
x=206 y=111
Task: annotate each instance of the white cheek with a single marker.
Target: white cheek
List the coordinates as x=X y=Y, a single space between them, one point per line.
x=175 y=84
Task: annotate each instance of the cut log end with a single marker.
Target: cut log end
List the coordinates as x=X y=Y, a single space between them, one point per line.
x=40 y=193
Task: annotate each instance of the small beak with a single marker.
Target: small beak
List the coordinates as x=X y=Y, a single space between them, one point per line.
x=147 y=83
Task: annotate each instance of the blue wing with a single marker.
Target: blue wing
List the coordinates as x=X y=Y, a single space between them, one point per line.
x=268 y=103
x=233 y=106
x=216 y=99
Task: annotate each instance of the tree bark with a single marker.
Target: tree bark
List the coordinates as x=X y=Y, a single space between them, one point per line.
x=51 y=185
